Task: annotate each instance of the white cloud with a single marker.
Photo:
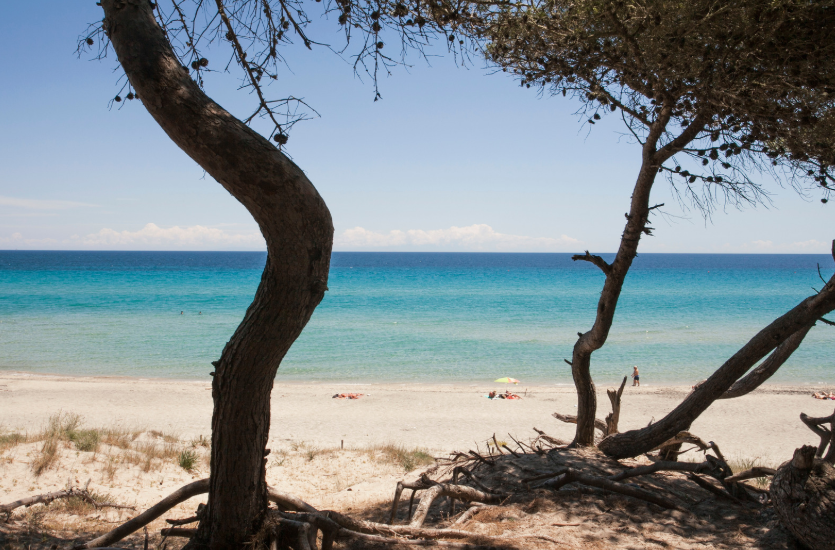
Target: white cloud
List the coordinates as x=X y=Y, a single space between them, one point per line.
x=150 y=237
x=480 y=237
x=154 y=237
x=37 y=204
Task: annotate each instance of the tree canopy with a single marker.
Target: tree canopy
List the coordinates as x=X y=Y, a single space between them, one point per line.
x=735 y=85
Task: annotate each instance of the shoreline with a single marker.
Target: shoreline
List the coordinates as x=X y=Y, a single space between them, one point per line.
x=12 y=373
x=441 y=417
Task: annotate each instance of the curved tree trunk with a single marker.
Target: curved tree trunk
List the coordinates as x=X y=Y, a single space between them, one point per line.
x=636 y=224
x=636 y=442
x=299 y=232
x=803 y=492
x=767 y=368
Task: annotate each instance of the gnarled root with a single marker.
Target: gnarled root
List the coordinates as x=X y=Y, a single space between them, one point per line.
x=803 y=493
x=570 y=475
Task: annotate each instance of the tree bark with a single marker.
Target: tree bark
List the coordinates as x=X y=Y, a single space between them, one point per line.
x=297 y=227
x=636 y=442
x=613 y=417
x=803 y=492
x=767 y=368
x=594 y=339
x=636 y=225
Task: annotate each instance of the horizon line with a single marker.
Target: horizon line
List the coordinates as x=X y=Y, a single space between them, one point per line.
x=418 y=252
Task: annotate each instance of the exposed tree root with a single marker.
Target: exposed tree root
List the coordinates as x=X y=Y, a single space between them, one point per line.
x=83 y=493
x=180 y=495
x=803 y=493
x=570 y=475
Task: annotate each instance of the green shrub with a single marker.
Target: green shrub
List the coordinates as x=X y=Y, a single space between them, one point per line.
x=187 y=459
x=86 y=440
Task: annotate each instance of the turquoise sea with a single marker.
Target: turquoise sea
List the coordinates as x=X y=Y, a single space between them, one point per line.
x=404 y=317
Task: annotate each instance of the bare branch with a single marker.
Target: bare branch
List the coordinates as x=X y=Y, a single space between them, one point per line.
x=596 y=260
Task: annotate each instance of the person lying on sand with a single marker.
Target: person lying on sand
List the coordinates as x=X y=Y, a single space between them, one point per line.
x=822 y=395
x=347 y=395
x=508 y=395
x=491 y=395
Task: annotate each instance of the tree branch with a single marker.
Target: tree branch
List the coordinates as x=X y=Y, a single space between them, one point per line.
x=635 y=442
x=596 y=260
x=768 y=367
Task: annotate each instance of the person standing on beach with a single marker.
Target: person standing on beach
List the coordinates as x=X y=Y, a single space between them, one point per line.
x=636 y=379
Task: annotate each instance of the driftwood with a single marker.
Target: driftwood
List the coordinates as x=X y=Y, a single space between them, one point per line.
x=47 y=498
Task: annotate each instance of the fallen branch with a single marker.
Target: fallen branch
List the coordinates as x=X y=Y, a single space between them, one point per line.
x=185 y=521
x=398 y=490
x=182 y=494
x=47 y=498
x=471 y=511
x=756 y=471
x=573 y=476
x=288 y=502
x=572 y=419
x=459 y=492
x=710 y=487
x=708 y=466
x=552 y=440
x=511 y=450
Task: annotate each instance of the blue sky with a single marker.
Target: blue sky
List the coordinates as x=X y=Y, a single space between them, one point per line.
x=451 y=159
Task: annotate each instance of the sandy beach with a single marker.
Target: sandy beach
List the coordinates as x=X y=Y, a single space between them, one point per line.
x=348 y=455
x=442 y=417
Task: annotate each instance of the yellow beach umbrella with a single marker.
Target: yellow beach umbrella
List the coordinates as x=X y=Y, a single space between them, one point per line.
x=507 y=380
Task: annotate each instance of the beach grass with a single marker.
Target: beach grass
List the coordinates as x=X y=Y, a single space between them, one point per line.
x=148 y=450
x=407 y=458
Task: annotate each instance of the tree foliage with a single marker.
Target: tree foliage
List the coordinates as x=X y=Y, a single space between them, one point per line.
x=252 y=37
x=750 y=83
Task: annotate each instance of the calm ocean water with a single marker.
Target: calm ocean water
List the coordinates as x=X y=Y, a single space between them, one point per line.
x=427 y=317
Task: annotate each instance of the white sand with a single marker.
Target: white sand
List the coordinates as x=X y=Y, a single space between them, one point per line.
x=439 y=417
